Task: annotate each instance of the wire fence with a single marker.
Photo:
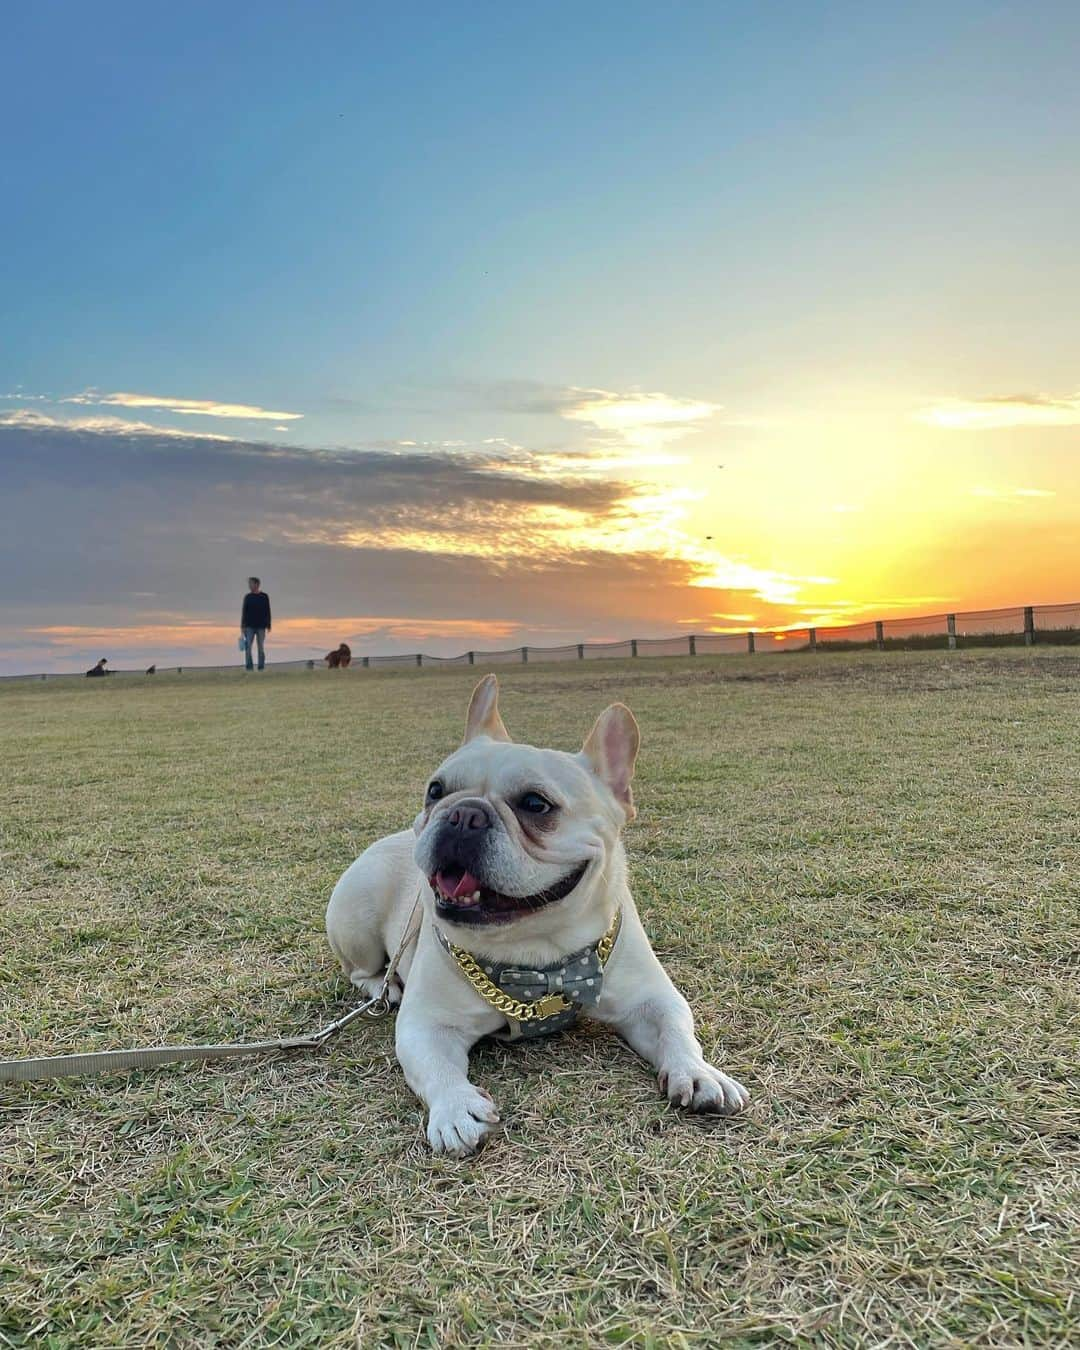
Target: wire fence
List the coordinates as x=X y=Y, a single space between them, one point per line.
x=1023 y=625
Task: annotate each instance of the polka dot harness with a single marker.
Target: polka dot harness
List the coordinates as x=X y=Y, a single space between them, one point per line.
x=578 y=978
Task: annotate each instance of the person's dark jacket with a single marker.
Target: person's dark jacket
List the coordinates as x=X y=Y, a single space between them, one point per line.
x=256 y=610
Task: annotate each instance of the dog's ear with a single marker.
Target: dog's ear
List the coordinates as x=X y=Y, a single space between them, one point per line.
x=483 y=718
x=610 y=750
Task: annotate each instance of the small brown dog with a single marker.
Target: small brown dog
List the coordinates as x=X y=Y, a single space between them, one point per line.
x=340 y=658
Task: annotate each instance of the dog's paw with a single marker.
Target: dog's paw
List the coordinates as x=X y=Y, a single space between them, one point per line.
x=371 y=987
x=459 y=1122
x=703 y=1088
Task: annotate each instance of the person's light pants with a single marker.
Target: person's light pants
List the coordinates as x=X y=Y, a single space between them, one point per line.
x=257 y=636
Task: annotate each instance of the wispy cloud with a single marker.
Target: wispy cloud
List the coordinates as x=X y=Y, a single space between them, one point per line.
x=189 y=407
x=102 y=425
x=1010 y=494
x=776 y=588
x=633 y=419
x=632 y=413
x=1014 y=410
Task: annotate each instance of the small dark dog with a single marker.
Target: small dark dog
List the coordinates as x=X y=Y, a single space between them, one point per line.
x=339 y=659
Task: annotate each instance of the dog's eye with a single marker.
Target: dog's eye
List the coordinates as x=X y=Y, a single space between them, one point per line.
x=435 y=791
x=535 y=804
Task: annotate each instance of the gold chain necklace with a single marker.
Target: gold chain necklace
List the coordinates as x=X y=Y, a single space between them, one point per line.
x=518 y=1009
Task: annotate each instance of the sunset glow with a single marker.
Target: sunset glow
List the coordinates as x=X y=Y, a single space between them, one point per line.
x=652 y=355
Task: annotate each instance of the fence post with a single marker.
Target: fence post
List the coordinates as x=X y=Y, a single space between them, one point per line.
x=524 y=655
x=693 y=644
x=472 y=658
x=750 y=643
x=879 y=636
x=812 y=632
x=633 y=646
x=365 y=661
x=419 y=658
x=581 y=651
x=1029 y=625
x=950 y=624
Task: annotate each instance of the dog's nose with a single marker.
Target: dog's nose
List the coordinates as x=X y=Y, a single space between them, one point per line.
x=470 y=816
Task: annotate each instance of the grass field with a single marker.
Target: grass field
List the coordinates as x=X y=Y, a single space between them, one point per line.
x=863 y=870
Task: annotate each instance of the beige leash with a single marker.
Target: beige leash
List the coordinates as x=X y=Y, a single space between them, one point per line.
x=69 y=1066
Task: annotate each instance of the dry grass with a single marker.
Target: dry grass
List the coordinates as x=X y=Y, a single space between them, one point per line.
x=862 y=870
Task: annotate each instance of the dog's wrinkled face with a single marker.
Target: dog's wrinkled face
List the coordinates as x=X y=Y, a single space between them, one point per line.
x=508 y=830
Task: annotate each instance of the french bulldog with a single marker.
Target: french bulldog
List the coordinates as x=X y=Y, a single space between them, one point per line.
x=515 y=864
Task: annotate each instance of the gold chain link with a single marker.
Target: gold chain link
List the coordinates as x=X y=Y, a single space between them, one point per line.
x=548 y=1006
x=604 y=946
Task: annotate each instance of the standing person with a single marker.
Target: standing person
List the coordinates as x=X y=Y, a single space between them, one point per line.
x=255 y=621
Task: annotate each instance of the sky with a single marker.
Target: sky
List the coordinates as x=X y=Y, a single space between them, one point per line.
x=475 y=325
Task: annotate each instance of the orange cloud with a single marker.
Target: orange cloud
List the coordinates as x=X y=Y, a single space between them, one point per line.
x=308 y=631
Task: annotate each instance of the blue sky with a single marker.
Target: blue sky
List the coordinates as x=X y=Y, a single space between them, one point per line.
x=449 y=224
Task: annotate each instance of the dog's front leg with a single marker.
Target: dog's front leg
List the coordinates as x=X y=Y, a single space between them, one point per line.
x=654 y=1019
x=435 y=1058
x=661 y=1030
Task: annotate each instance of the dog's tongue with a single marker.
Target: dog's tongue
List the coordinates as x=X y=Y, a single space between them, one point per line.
x=454 y=888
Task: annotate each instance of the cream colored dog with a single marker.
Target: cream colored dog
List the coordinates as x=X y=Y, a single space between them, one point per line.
x=520 y=870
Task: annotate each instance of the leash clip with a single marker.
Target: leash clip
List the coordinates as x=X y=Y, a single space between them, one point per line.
x=372 y=1011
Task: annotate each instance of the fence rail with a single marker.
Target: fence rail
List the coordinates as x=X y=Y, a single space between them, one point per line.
x=1023 y=625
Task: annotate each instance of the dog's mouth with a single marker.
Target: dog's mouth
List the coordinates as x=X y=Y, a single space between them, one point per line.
x=462 y=897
